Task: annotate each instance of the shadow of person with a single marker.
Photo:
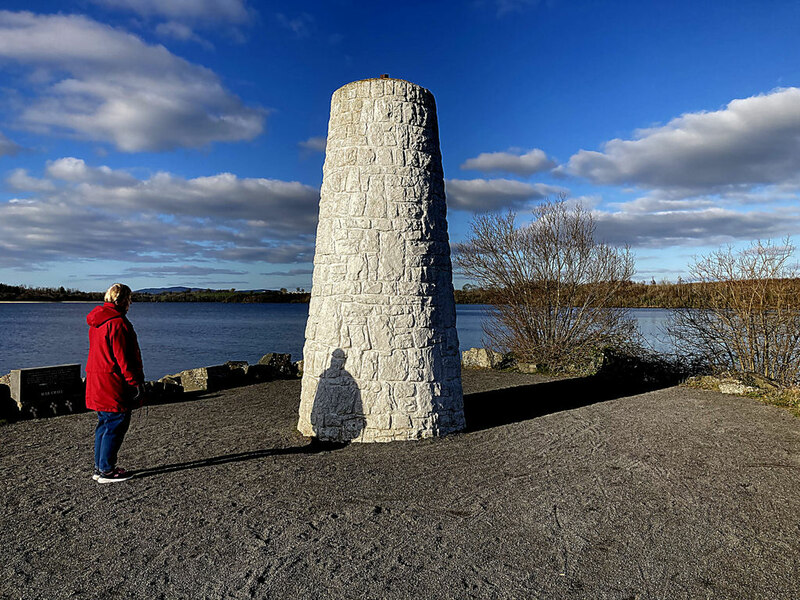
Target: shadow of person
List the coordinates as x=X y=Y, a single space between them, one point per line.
x=225 y=459
x=337 y=414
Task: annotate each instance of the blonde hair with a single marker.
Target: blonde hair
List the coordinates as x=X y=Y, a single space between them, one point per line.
x=118 y=293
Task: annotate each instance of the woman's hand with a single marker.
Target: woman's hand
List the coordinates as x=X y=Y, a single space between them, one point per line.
x=139 y=396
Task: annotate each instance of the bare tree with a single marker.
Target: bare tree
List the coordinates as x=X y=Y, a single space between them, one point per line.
x=744 y=316
x=552 y=285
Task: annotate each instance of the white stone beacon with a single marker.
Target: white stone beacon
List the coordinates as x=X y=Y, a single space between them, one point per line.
x=381 y=360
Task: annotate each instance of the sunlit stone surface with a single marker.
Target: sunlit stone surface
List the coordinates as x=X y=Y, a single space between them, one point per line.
x=381 y=358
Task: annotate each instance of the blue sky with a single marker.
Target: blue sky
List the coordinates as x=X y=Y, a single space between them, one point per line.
x=181 y=143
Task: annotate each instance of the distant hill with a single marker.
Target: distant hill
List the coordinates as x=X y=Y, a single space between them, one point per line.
x=185 y=294
x=167 y=290
x=181 y=290
x=21 y=293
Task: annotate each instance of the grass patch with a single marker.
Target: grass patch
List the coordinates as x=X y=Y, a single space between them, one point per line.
x=786 y=397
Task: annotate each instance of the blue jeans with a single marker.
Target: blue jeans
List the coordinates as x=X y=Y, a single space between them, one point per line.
x=108 y=436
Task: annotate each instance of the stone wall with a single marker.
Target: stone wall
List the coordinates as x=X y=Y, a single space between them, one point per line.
x=381 y=358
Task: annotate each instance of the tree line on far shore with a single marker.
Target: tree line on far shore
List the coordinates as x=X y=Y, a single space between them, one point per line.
x=634 y=294
x=22 y=293
x=628 y=294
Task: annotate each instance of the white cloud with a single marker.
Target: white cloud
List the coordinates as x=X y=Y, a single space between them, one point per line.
x=271 y=253
x=482 y=195
x=7 y=147
x=176 y=30
x=752 y=141
x=76 y=170
x=230 y=11
x=118 y=89
x=84 y=213
x=181 y=32
x=280 y=208
x=711 y=178
x=314 y=144
x=705 y=227
x=524 y=164
x=19 y=179
x=587 y=202
x=34 y=232
x=300 y=25
x=290 y=272
x=178 y=271
x=654 y=205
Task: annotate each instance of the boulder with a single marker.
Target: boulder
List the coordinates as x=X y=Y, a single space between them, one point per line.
x=205 y=379
x=481 y=358
x=258 y=373
x=734 y=386
x=238 y=373
x=526 y=367
x=280 y=363
x=166 y=388
x=170 y=390
x=735 y=383
x=764 y=384
x=171 y=379
x=234 y=365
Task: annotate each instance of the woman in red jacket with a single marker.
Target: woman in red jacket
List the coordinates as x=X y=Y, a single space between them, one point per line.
x=114 y=379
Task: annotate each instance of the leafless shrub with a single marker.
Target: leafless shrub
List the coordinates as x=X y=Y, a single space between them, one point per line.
x=551 y=285
x=744 y=316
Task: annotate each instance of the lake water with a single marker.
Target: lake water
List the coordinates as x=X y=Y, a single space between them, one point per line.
x=175 y=336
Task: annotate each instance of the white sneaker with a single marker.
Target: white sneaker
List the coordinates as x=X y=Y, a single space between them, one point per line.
x=116 y=475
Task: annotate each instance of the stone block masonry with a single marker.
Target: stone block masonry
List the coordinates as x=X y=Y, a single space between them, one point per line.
x=381 y=359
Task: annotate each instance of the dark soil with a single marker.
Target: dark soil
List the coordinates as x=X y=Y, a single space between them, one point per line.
x=671 y=493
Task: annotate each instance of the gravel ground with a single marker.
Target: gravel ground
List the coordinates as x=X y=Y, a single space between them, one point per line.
x=560 y=489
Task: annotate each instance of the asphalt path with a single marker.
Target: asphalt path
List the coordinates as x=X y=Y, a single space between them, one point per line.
x=559 y=489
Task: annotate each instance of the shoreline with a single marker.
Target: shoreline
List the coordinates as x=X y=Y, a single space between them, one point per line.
x=258 y=303
x=49 y=301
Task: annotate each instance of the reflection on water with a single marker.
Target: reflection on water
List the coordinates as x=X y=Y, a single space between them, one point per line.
x=177 y=336
x=651 y=323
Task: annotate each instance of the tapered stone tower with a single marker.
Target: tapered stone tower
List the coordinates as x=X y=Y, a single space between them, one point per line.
x=381 y=360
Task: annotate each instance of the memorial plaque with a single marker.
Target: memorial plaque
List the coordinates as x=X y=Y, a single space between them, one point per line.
x=47 y=391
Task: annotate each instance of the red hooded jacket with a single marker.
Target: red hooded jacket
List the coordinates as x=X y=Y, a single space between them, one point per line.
x=114 y=366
